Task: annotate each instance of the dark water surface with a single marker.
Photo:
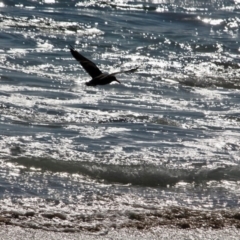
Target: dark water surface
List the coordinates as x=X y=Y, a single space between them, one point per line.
x=169 y=135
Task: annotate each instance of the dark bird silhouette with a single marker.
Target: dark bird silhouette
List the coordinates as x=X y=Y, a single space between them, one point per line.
x=98 y=78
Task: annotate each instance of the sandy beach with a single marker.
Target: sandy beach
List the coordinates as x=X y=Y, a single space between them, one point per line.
x=10 y=232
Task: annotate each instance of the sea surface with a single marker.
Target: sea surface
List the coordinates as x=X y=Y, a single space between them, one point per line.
x=167 y=136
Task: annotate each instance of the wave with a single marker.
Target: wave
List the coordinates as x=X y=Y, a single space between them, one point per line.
x=221 y=74
x=158 y=6
x=50 y=116
x=207 y=81
x=118 y=5
x=47 y=25
x=142 y=175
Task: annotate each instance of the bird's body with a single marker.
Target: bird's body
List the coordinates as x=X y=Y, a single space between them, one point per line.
x=98 y=78
x=102 y=79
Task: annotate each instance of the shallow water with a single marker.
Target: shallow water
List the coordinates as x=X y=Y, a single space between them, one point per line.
x=167 y=136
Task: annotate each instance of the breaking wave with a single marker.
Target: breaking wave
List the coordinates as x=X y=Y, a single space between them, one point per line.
x=143 y=175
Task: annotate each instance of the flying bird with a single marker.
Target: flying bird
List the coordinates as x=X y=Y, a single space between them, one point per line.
x=98 y=78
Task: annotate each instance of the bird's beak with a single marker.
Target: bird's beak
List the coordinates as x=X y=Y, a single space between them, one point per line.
x=117 y=81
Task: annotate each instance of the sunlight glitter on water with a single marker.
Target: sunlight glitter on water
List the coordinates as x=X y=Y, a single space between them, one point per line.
x=167 y=135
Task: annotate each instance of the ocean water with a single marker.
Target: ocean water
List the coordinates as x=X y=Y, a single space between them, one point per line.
x=169 y=135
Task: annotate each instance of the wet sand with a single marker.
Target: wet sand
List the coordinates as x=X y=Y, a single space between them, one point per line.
x=165 y=223
x=100 y=221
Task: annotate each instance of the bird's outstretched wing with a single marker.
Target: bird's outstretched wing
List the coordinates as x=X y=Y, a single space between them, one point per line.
x=88 y=65
x=127 y=71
